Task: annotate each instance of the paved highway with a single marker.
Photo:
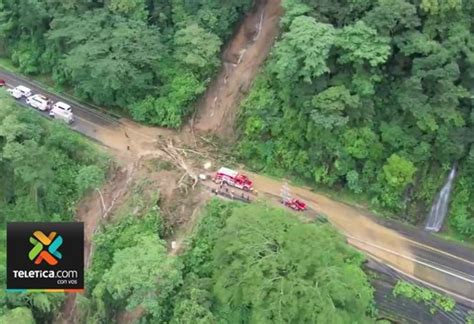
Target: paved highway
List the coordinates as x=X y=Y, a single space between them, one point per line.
x=87 y=119
x=444 y=265
x=435 y=262
x=123 y=136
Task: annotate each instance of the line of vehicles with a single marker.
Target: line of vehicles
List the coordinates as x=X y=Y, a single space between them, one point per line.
x=58 y=110
x=235 y=179
x=63 y=111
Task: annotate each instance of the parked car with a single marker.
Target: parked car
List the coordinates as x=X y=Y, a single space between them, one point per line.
x=60 y=106
x=61 y=114
x=15 y=93
x=2 y=83
x=26 y=92
x=39 y=102
x=20 y=92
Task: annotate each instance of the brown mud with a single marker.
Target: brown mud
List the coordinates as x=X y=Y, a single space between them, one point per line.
x=95 y=207
x=216 y=111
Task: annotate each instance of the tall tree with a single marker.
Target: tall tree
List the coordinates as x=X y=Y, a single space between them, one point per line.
x=271 y=268
x=147 y=281
x=111 y=60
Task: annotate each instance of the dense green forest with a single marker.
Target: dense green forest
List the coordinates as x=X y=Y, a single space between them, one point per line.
x=258 y=264
x=372 y=96
x=244 y=264
x=150 y=57
x=44 y=170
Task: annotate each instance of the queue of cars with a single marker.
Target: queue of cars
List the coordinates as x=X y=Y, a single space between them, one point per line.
x=58 y=110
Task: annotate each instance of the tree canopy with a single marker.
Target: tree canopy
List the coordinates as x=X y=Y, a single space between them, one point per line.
x=148 y=58
x=40 y=165
x=372 y=96
x=257 y=264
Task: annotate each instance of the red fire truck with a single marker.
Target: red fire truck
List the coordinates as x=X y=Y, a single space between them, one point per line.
x=233 y=178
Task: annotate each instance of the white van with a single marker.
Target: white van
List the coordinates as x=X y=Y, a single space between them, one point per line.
x=26 y=92
x=15 y=93
x=20 y=91
x=39 y=101
x=64 y=115
x=60 y=106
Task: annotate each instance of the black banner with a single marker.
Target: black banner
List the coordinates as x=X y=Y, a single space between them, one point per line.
x=47 y=256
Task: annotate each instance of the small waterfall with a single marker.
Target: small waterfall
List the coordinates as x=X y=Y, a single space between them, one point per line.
x=439 y=209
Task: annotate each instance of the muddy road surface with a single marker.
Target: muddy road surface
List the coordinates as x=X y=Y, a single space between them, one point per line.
x=435 y=262
x=123 y=137
x=444 y=265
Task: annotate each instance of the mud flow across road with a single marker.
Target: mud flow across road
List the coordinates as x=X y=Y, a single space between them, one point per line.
x=425 y=259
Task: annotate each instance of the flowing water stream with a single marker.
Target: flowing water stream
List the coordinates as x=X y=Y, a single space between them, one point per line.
x=439 y=209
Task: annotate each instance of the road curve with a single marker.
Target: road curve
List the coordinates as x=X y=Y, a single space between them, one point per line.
x=444 y=265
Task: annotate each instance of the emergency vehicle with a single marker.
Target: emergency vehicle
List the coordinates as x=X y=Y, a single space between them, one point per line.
x=233 y=178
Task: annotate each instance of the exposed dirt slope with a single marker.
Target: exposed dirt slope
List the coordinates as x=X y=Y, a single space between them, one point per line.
x=246 y=52
x=92 y=210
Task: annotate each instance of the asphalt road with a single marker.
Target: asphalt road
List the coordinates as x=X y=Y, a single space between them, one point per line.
x=438 y=263
x=87 y=119
x=404 y=310
x=438 y=258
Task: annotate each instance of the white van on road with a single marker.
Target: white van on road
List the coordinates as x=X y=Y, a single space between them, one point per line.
x=64 y=115
x=15 y=93
x=60 y=106
x=20 y=91
x=63 y=111
x=39 y=101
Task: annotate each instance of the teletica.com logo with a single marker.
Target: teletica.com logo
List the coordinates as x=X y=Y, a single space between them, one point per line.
x=45 y=248
x=45 y=256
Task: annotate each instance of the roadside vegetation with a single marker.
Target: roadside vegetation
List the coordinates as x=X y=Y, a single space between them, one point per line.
x=368 y=96
x=45 y=168
x=373 y=97
x=258 y=264
x=243 y=264
x=131 y=268
x=429 y=297
x=152 y=58
x=470 y=318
